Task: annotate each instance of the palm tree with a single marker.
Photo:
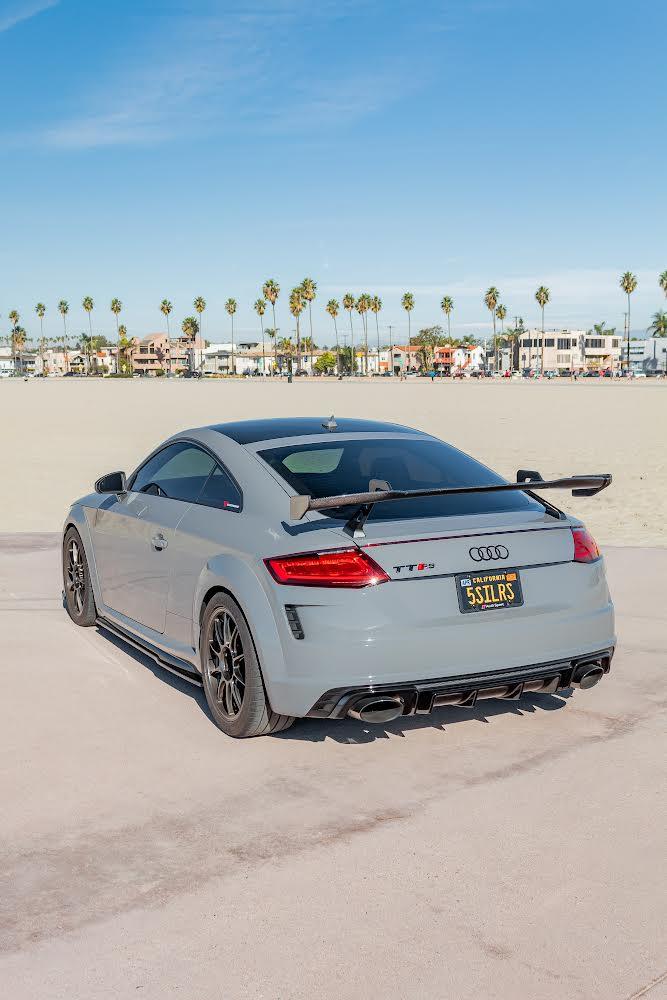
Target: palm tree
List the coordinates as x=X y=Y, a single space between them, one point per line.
x=308 y=290
x=542 y=296
x=662 y=281
x=285 y=348
x=18 y=340
x=123 y=348
x=332 y=308
x=628 y=283
x=271 y=291
x=63 y=309
x=116 y=308
x=190 y=328
x=408 y=303
x=88 y=305
x=199 y=305
x=349 y=303
x=376 y=306
x=658 y=327
x=363 y=303
x=166 y=308
x=501 y=313
x=297 y=304
x=271 y=334
x=13 y=318
x=260 y=309
x=491 y=301
x=40 y=309
x=447 y=304
x=230 y=306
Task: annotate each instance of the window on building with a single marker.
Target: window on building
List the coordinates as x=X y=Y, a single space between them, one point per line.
x=594 y=342
x=563 y=343
x=548 y=341
x=616 y=342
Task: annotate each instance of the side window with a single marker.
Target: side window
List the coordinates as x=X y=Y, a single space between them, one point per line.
x=220 y=490
x=178 y=472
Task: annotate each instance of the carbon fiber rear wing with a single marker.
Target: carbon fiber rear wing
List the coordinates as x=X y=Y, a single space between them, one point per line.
x=581 y=486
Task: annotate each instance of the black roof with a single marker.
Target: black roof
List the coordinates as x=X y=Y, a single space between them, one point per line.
x=251 y=431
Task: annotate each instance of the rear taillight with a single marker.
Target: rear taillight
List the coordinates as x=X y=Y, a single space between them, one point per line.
x=335 y=568
x=585 y=547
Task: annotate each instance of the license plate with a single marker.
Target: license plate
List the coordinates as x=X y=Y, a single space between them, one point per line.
x=499 y=588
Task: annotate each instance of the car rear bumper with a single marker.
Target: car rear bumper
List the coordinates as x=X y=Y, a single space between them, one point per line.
x=464 y=690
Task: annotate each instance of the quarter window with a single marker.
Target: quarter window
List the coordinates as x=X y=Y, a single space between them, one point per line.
x=182 y=471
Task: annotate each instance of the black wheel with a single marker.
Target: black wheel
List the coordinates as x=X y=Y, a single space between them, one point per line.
x=79 y=599
x=230 y=671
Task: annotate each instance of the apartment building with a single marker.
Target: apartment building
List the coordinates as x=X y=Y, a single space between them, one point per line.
x=571 y=350
x=157 y=352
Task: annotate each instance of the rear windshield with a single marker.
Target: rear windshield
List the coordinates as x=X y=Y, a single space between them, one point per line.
x=335 y=467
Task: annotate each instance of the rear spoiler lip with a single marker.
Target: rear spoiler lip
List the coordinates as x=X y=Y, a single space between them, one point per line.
x=581 y=486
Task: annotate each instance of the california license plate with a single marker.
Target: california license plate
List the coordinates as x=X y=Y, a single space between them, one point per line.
x=500 y=588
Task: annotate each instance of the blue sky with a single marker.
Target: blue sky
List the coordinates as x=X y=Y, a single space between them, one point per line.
x=154 y=148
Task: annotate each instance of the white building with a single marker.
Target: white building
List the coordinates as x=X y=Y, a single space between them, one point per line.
x=648 y=355
x=570 y=350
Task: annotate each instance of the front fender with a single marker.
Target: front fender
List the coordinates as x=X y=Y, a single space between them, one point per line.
x=241 y=579
x=78 y=517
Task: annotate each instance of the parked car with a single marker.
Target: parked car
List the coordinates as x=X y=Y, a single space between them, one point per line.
x=332 y=568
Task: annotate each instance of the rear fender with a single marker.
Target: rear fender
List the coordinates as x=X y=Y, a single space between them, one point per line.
x=240 y=579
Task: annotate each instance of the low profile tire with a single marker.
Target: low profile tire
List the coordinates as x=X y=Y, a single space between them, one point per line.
x=79 y=599
x=232 y=679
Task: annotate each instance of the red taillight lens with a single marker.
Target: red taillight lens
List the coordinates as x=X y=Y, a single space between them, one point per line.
x=336 y=568
x=585 y=547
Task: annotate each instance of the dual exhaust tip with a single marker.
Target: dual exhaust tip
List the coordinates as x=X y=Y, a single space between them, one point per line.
x=385 y=708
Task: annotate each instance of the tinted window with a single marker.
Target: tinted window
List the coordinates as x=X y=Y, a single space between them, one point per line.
x=179 y=471
x=348 y=466
x=220 y=491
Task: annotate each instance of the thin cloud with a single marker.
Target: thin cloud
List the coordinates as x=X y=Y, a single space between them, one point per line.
x=18 y=12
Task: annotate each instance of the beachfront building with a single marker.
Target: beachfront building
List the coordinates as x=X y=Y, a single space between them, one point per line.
x=570 y=350
x=648 y=356
x=157 y=354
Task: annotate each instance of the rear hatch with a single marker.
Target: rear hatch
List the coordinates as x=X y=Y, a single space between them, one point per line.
x=456 y=545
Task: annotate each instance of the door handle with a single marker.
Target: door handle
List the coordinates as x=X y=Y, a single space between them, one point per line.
x=159 y=542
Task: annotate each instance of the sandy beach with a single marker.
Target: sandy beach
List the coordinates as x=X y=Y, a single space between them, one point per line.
x=60 y=435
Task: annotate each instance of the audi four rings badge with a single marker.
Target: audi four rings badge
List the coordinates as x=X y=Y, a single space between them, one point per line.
x=484 y=552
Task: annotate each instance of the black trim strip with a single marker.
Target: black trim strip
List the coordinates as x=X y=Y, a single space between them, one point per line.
x=471 y=534
x=175 y=665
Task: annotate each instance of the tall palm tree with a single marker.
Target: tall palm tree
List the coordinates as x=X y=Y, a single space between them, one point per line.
x=166 y=308
x=308 y=290
x=116 y=308
x=260 y=309
x=376 y=306
x=628 y=283
x=408 y=303
x=662 y=281
x=13 y=318
x=491 y=301
x=18 y=340
x=88 y=305
x=271 y=291
x=447 y=305
x=230 y=307
x=332 y=308
x=349 y=302
x=297 y=304
x=285 y=348
x=501 y=313
x=190 y=328
x=40 y=309
x=362 y=305
x=542 y=296
x=199 y=305
x=63 y=309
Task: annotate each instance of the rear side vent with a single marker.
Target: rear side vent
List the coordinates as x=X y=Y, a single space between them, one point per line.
x=294 y=621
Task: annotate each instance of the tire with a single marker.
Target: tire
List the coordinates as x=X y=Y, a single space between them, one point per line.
x=78 y=590
x=231 y=674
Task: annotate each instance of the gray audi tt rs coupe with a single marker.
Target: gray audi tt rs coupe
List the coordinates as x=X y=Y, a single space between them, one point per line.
x=332 y=568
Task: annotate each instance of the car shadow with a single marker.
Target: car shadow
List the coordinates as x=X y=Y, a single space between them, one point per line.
x=352 y=731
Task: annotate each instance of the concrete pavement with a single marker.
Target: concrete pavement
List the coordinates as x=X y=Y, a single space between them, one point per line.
x=507 y=851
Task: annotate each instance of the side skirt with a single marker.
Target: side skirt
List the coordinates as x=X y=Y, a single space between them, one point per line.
x=171 y=663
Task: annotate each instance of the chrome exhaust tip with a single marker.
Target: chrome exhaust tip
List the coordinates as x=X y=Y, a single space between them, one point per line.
x=587 y=675
x=377 y=709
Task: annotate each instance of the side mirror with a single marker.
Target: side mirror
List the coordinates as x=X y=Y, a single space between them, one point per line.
x=113 y=482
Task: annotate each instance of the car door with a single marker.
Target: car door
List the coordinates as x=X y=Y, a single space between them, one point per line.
x=133 y=534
